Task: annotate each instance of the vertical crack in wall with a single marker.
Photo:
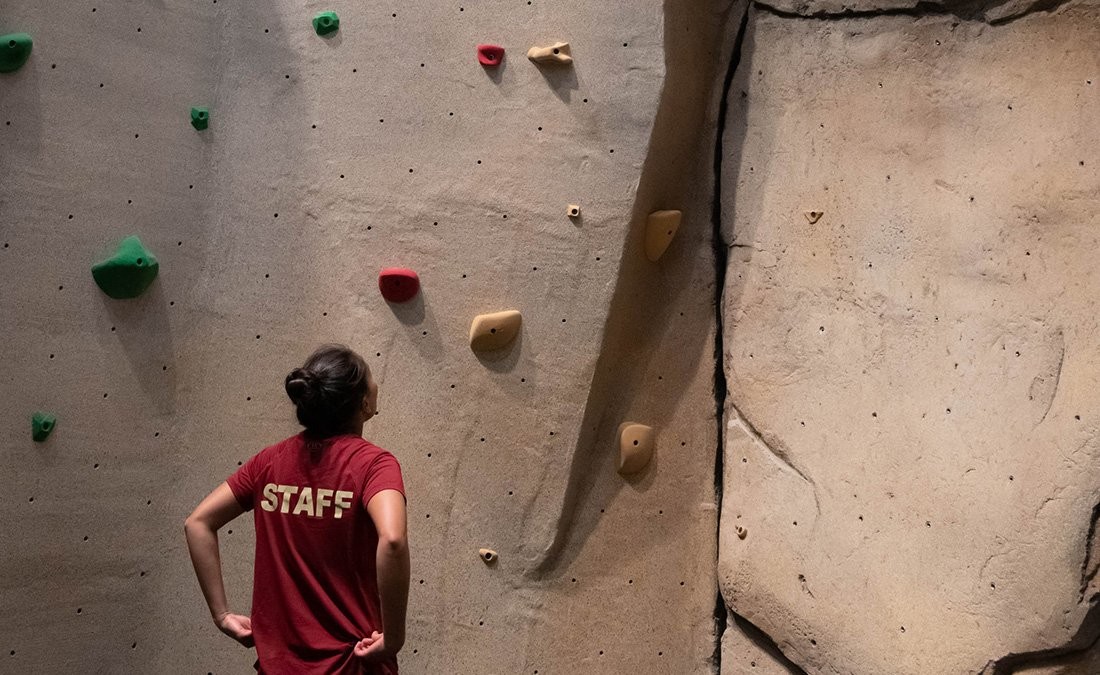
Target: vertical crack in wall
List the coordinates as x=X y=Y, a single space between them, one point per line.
x=721 y=258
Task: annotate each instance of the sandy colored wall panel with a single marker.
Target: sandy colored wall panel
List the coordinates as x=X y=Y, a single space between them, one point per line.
x=910 y=442
x=270 y=228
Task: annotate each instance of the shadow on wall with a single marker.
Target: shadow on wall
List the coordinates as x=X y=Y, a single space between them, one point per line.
x=22 y=131
x=1081 y=654
x=141 y=326
x=644 y=308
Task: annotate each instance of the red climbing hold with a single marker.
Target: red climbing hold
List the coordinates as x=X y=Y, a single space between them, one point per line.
x=398 y=284
x=490 y=55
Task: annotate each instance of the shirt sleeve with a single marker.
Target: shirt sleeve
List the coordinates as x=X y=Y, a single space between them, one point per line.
x=243 y=482
x=384 y=473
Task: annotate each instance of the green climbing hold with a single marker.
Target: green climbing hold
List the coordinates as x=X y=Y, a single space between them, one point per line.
x=14 y=50
x=42 y=425
x=326 y=22
x=200 y=118
x=128 y=272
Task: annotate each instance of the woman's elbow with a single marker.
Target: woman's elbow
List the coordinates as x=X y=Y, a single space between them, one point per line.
x=192 y=523
x=393 y=545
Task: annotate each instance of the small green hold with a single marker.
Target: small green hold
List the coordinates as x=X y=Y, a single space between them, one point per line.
x=200 y=118
x=326 y=22
x=128 y=272
x=15 y=48
x=42 y=425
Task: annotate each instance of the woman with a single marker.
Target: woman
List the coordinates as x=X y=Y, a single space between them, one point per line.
x=332 y=560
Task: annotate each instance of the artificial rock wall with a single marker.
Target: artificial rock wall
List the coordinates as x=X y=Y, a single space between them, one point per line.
x=888 y=221
x=910 y=202
x=325 y=160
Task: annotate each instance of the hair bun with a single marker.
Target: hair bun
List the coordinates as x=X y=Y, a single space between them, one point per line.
x=300 y=385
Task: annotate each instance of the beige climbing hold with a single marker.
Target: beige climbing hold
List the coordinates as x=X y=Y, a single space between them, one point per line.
x=741 y=532
x=574 y=211
x=555 y=53
x=494 y=331
x=487 y=554
x=660 y=228
x=814 y=216
x=635 y=447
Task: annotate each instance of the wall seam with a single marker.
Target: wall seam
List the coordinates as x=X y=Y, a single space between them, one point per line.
x=721 y=258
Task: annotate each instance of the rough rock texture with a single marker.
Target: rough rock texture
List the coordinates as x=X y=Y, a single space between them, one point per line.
x=327 y=159
x=911 y=436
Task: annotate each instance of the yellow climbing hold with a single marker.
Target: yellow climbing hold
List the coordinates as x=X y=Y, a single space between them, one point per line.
x=494 y=331
x=660 y=228
x=635 y=447
x=558 y=53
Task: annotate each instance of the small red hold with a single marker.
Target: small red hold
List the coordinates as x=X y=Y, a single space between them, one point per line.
x=490 y=55
x=398 y=284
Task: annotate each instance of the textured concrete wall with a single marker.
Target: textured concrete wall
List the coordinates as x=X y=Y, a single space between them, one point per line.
x=907 y=200
x=325 y=160
x=911 y=440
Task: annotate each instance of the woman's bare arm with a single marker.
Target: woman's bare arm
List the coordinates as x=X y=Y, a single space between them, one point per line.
x=387 y=510
x=201 y=528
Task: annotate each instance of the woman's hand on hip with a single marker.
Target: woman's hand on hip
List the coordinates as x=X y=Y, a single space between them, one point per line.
x=372 y=649
x=238 y=627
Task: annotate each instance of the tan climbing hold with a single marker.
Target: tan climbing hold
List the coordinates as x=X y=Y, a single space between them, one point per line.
x=741 y=532
x=814 y=216
x=635 y=447
x=487 y=554
x=556 y=53
x=660 y=228
x=574 y=211
x=494 y=331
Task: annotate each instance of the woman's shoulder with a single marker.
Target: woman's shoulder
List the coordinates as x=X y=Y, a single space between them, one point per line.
x=366 y=451
x=291 y=443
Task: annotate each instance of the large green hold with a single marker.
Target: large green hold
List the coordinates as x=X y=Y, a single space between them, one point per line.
x=326 y=22
x=200 y=118
x=14 y=50
x=128 y=272
x=42 y=425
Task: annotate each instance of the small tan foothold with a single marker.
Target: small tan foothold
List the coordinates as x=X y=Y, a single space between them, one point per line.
x=741 y=532
x=814 y=216
x=660 y=228
x=494 y=331
x=635 y=447
x=487 y=554
x=559 y=53
x=574 y=211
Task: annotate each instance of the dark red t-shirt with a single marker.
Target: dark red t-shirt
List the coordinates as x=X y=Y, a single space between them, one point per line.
x=315 y=592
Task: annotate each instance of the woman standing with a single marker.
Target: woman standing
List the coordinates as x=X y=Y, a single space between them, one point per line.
x=332 y=560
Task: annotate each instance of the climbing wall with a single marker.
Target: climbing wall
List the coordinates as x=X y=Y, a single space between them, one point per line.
x=272 y=172
x=912 y=458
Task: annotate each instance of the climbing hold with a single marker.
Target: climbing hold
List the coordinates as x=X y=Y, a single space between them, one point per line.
x=326 y=22
x=494 y=331
x=814 y=216
x=398 y=284
x=490 y=55
x=42 y=425
x=574 y=211
x=15 y=48
x=635 y=447
x=661 y=227
x=558 y=53
x=200 y=118
x=741 y=532
x=487 y=554
x=128 y=272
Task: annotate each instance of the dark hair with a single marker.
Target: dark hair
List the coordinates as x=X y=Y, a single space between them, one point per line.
x=328 y=389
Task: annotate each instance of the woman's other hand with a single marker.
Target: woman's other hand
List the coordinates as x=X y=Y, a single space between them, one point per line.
x=238 y=627
x=372 y=649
